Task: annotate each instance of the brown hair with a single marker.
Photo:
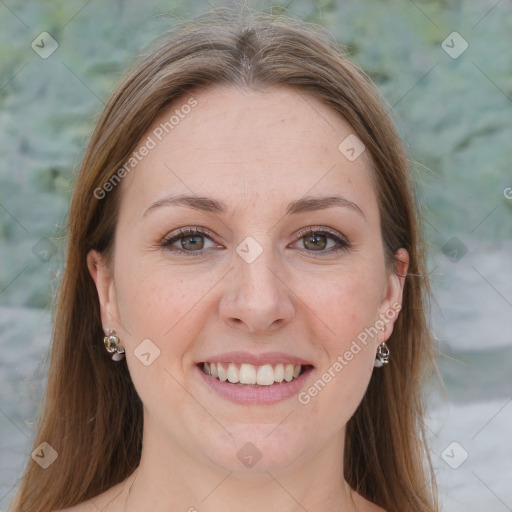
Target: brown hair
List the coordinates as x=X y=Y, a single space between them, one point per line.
x=92 y=415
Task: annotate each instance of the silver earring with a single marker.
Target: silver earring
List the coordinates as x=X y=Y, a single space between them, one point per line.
x=113 y=347
x=382 y=355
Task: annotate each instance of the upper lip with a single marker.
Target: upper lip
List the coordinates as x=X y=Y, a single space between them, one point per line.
x=271 y=358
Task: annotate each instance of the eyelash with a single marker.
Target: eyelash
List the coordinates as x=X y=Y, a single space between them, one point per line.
x=185 y=232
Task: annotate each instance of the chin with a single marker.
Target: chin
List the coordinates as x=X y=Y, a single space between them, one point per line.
x=257 y=449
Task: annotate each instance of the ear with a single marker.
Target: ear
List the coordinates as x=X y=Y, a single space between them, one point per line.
x=391 y=303
x=104 y=281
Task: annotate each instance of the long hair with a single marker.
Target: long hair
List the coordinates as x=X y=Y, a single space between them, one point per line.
x=91 y=414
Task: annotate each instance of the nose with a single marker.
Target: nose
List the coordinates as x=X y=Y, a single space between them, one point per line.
x=257 y=298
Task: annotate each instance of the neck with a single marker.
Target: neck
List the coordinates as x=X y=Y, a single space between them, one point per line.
x=169 y=479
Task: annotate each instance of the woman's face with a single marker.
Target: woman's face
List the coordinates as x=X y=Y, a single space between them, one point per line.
x=253 y=292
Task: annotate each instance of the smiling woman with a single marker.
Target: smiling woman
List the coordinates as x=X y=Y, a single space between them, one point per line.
x=258 y=280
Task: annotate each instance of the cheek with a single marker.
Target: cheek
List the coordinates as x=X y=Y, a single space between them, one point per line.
x=156 y=305
x=151 y=300
x=351 y=303
x=169 y=306
x=350 y=310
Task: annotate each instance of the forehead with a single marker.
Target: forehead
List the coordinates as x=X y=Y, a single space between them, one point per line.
x=239 y=144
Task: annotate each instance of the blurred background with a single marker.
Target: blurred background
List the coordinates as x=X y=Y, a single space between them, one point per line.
x=445 y=69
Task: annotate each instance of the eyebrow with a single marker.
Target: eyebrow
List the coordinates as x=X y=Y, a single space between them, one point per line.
x=303 y=205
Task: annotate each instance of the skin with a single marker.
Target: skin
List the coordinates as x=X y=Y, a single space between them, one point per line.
x=256 y=151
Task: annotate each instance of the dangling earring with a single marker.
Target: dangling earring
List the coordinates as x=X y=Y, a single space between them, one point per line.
x=382 y=355
x=113 y=347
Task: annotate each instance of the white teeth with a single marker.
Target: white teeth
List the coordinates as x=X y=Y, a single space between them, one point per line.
x=244 y=373
x=279 y=373
x=222 y=372
x=288 y=372
x=265 y=375
x=247 y=374
x=233 y=374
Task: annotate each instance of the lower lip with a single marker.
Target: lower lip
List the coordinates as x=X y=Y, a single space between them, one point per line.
x=261 y=395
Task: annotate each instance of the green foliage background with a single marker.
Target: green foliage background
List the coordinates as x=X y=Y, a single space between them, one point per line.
x=453 y=114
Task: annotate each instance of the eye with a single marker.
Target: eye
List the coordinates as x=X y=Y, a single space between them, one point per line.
x=191 y=241
x=315 y=240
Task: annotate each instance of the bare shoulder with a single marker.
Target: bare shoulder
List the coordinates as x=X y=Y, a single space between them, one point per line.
x=375 y=508
x=365 y=505
x=368 y=506
x=372 y=507
x=100 y=502
x=111 y=498
x=85 y=506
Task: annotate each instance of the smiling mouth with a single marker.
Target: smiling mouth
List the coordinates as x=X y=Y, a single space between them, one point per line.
x=254 y=376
